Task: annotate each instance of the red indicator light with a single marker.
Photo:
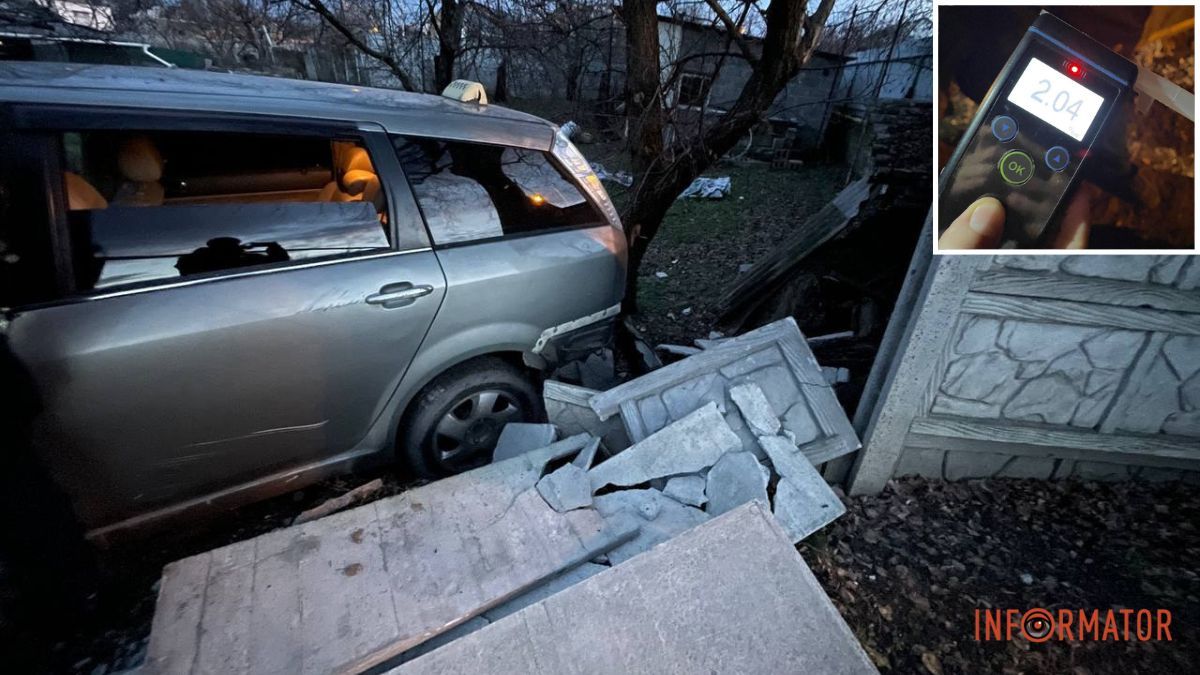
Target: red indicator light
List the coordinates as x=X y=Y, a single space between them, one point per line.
x=1074 y=69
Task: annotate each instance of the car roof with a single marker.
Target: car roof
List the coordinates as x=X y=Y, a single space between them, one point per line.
x=77 y=84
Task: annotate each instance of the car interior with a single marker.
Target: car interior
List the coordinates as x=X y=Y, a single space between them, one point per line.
x=218 y=201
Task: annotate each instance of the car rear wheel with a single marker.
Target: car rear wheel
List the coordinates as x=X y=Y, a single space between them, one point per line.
x=455 y=421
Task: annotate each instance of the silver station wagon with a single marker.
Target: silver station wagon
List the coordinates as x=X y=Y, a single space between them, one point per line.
x=217 y=288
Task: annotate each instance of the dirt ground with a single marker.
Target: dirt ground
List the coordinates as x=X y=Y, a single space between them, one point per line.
x=907 y=569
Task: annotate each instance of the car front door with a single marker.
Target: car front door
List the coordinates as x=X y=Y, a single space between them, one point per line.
x=251 y=320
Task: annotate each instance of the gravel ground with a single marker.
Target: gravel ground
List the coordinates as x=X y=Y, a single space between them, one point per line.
x=907 y=569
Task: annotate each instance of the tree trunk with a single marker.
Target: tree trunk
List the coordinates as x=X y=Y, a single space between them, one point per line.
x=644 y=114
x=790 y=38
x=449 y=32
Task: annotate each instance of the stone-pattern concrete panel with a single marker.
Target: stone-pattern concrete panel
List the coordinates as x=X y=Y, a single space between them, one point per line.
x=1026 y=371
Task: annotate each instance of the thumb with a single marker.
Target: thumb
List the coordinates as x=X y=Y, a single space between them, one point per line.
x=979 y=226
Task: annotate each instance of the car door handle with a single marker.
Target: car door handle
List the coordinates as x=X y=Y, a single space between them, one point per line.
x=398 y=295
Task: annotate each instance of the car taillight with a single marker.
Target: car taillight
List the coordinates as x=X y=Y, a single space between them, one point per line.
x=578 y=165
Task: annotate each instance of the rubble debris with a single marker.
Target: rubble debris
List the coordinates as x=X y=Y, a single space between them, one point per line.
x=687 y=489
x=587 y=456
x=707 y=188
x=657 y=517
x=692 y=444
x=804 y=502
x=566 y=488
x=567 y=408
x=678 y=350
x=831 y=337
x=736 y=478
x=359 y=494
x=835 y=375
x=661 y=275
x=708 y=343
x=518 y=438
x=775 y=358
x=598 y=371
x=486 y=532
x=755 y=408
x=737 y=570
x=805 y=505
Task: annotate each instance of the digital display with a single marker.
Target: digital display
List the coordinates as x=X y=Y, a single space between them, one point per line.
x=1056 y=99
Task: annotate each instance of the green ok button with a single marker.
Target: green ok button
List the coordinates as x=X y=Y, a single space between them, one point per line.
x=1016 y=167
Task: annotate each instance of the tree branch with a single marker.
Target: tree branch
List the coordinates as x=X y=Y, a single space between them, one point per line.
x=734 y=30
x=386 y=59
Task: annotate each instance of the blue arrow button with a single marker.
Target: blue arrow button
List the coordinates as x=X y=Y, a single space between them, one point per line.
x=1057 y=158
x=1004 y=128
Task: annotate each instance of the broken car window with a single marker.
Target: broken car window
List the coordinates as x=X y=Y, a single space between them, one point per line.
x=472 y=191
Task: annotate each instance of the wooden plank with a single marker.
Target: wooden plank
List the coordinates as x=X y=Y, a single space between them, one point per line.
x=1085 y=289
x=1168 y=447
x=731 y=595
x=1081 y=313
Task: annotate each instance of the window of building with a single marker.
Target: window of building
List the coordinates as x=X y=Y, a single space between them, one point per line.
x=146 y=206
x=472 y=191
x=693 y=89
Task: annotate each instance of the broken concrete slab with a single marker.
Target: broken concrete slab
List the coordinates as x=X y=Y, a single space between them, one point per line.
x=804 y=502
x=805 y=506
x=756 y=410
x=518 y=438
x=319 y=597
x=736 y=478
x=598 y=371
x=775 y=357
x=687 y=489
x=587 y=456
x=566 y=489
x=692 y=444
x=731 y=595
x=567 y=408
x=657 y=517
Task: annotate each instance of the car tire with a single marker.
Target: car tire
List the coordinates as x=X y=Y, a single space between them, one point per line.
x=453 y=423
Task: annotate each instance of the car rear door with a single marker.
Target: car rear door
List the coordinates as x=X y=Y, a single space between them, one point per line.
x=160 y=386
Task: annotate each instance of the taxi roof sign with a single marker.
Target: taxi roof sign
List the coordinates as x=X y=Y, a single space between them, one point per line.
x=466 y=91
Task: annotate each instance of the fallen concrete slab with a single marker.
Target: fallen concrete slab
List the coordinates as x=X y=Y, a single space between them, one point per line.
x=566 y=488
x=567 y=407
x=518 y=438
x=736 y=478
x=804 y=502
x=692 y=444
x=687 y=489
x=357 y=588
x=775 y=358
x=731 y=595
x=657 y=517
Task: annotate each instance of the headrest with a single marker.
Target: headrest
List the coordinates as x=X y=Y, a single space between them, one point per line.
x=139 y=160
x=357 y=159
x=81 y=195
x=357 y=181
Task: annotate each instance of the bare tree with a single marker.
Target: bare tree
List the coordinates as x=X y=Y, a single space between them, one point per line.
x=662 y=171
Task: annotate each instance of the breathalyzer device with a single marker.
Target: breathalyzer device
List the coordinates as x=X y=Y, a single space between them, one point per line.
x=1035 y=129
